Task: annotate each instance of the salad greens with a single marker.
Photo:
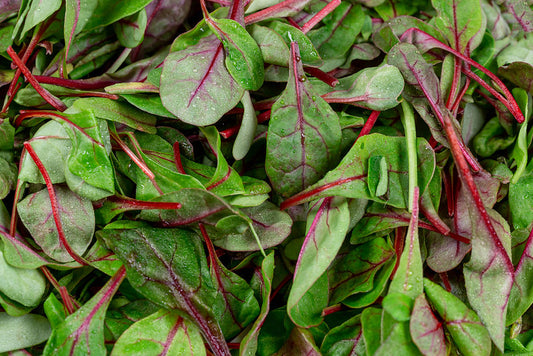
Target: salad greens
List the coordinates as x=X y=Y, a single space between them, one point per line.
x=351 y=177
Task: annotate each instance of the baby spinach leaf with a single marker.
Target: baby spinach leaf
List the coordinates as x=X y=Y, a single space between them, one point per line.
x=520 y=298
x=24 y=331
x=307 y=50
x=320 y=246
x=248 y=345
x=240 y=305
x=464 y=326
x=366 y=88
x=180 y=283
x=107 y=12
x=130 y=30
x=24 y=286
x=427 y=332
x=345 y=339
x=117 y=111
x=162 y=332
x=84 y=330
x=199 y=71
x=462 y=22
x=243 y=56
x=77 y=219
x=348 y=179
x=355 y=272
x=303 y=134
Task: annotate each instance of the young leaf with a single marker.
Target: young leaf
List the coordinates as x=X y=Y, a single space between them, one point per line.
x=249 y=342
x=321 y=244
x=130 y=30
x=345 y=339
x=243 y=56
x=77 y=219
x=408 y=277
x=372 y=88
x=427 y=332
x=22 y=331
x=355 y=271
x=109 y=11
x=303 y=134
x=225 y=181
x=52 y=144
x=199 y=72
x=24 y=286
x=84 y=330
x=348 y=179
x=177 y=283
x=300 y=341
x=521 y=297
x=462 y=22
x=246 y=133
x=240 y=305
x=164 y=332
x=464 y=326
x=117 y=111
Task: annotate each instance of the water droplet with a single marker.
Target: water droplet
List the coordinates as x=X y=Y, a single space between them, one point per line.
x=302 y=78
x=410 y=273
x=297 y=58
x=408 y=286
x=195 y=70
x=313 y=98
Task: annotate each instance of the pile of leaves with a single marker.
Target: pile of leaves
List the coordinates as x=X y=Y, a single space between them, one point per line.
x=275 y=178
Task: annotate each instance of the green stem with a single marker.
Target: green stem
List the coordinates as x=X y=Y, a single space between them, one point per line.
x=408 y=121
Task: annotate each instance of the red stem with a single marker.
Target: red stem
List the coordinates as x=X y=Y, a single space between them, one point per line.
x=26 y=114
x=300 y=197
x=53 y=202
x=269 y=11
x=369 y=124
x=293 y=23
x=325 y=11
x=444 y=277
x=322 y=76
x=508 y=101
x=49 y=98
x=332 y=309
x=455 y=80
x=455 y=106
x=14 y=86
x=80 y=84
x=177 y=157
x=130 y=203
x=70 y=304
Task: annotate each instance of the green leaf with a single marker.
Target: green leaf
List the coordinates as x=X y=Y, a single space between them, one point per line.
x=306 y=309
x=24 y=286
x=521 y=199
x=426 y=330
x=22 y=331
x=90 y=176
x=225 y=181
x=356 y=271
x=243 y=56
x=345 y=339
x=408 y=277
x=464 y=326
x=273 y=47
x=519 y=153
x=130 y=30
x=371 y=324
x=84 y=330
x=249 y=342
x=303 y=134
x=462 y=22
x=398 y=305
x=52 y=144
x=180 y=283
x=240 y=306
x=77 y=219
x=340 y=28
x=348 y=179
x=117 y=111
x=300 y=341
x=327 y=225
x=108 y=11
x=198 y=72
x=375 y=88
x=245 y=136
x=33 y=13
x=521 y=296
x=162 y=332
x=289 y=33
